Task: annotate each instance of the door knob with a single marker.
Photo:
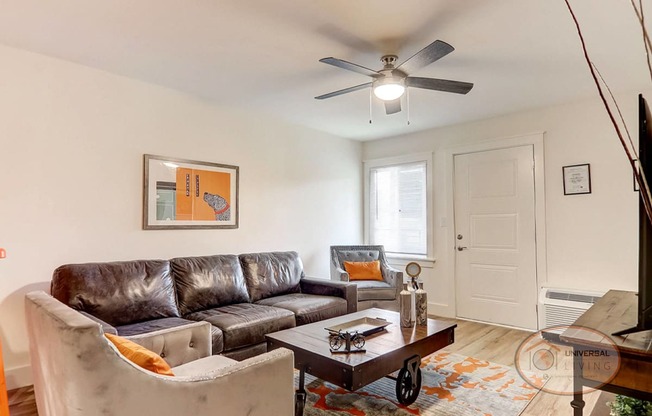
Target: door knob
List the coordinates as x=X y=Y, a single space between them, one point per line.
x=461 y=248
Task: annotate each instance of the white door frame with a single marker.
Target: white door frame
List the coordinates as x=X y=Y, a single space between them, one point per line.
x=534 y=139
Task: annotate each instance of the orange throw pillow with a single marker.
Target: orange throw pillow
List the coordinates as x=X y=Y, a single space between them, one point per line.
x=140 y=356
x=363 y=270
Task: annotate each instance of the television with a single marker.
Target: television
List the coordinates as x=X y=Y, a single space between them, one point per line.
x=644 y=225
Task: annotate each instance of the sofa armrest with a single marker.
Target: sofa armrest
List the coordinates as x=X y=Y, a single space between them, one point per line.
x=339 y=274
x=344 y=290
x=257 y=386
x=392 y=276
x=178 y=345
x=106 y=328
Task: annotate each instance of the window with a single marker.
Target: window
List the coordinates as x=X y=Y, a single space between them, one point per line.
x=397 y=211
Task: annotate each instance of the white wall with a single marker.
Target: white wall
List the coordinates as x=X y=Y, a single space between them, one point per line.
x=72 y=141
x=592 y=240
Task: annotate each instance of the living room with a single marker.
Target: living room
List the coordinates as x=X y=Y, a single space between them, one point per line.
x=88 y=89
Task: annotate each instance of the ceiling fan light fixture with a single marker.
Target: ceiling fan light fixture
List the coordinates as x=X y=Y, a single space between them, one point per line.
x=389 y=89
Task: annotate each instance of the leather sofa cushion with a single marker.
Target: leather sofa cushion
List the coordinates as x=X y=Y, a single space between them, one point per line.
x=243 y=353
x=271 y=274
x=154 y=325
x=118 y=293
x=374 y=290
x=208 y=282
x=245 y=324
x=308 y=308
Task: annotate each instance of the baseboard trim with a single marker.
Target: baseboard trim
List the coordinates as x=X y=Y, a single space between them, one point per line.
x=18 y=377
x=495 y=324
x=440 y=309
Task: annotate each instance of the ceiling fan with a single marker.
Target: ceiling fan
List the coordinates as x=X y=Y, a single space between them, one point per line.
x=390 y=83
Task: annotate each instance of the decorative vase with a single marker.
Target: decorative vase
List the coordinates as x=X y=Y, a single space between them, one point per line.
x=421 y=306
x=406 y=308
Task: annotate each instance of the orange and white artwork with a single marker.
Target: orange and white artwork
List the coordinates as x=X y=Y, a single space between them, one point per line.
x=189 y=194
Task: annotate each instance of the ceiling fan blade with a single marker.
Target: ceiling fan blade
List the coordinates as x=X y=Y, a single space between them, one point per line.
x=457 y=87
x=344 y=91
x=393 y=106
x=436 y=50
x=350 y=66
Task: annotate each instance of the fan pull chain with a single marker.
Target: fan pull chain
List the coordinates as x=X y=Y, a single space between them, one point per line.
x=407 y=102
x=370 y=98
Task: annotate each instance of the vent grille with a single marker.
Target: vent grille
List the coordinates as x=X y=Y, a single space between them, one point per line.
x=564 y=306
x=561 y=315
x=573 y=297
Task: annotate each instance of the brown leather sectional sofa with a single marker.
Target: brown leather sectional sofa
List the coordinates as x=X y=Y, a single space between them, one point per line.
x=243 y=297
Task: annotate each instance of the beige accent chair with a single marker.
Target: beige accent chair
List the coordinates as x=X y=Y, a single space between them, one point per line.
x=78 y=372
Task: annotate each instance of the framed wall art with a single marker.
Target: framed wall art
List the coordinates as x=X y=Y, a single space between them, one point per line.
x=577 y=179
x=188 y=194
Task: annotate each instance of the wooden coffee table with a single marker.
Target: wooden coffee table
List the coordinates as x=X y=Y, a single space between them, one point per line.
x=386 y=351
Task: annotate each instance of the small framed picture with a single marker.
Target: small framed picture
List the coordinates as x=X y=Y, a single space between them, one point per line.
x=577 y=179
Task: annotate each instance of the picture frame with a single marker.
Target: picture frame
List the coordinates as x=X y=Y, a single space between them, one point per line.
x=577 y=179
x=189 y=194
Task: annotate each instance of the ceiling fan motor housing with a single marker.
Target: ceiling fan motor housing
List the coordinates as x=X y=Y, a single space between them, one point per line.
x=389 y=61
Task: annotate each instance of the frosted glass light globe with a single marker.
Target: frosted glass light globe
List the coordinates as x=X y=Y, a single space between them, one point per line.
x=389 y=91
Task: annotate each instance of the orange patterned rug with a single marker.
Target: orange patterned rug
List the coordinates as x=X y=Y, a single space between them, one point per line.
x=452 y=384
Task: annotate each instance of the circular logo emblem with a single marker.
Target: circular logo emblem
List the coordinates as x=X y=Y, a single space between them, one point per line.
x=567 y=359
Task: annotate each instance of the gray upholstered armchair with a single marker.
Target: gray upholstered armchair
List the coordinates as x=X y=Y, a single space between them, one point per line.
x=371 y=293
x=77 y=372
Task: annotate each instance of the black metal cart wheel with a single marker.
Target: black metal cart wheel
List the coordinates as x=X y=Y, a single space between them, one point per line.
x=407 y=391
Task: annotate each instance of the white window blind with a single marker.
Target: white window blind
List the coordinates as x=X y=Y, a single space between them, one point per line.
x=397 y=204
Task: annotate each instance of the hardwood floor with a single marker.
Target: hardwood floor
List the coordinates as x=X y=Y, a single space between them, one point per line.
x=498 y=344
x=482 y=341
x=21 y=402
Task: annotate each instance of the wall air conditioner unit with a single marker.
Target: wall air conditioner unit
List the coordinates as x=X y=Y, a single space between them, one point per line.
x=564 y=306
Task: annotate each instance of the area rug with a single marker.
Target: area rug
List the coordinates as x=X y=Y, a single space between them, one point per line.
x=452 y=384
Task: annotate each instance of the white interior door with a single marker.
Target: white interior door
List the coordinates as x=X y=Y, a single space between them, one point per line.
x=495 y=262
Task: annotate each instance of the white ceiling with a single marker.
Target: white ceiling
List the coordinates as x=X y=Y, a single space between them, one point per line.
x=262 y=56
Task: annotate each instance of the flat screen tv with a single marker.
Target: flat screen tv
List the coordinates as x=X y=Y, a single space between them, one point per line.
x=644 y=226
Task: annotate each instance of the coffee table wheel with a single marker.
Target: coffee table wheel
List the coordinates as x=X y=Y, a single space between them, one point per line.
x=406 y=393
x=408 y=382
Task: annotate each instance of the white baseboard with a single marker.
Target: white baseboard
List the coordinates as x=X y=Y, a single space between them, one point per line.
x=18 y=377
x=440 y=309
x=495 y=324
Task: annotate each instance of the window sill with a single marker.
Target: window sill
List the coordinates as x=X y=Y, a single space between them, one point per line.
x=402 y=260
